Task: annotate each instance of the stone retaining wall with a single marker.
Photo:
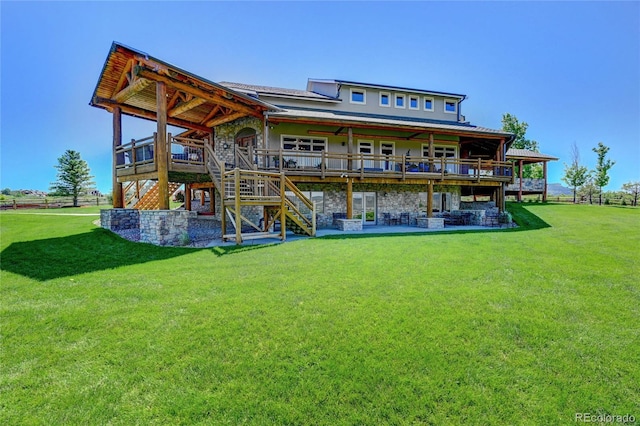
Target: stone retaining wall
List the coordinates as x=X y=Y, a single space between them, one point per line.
x=163 y=227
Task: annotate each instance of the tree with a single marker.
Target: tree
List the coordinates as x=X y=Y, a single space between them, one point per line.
x=632 y=188
x=74 y=177
x=575 y=175
x=511 y=124
x=601 y=173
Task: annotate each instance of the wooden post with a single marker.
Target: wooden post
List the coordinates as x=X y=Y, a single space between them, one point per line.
x=223 y=208
x=349 y=198
x=520 y=176
x=432 y=153
x=544 y=176
x=283 y=207
x=237 y=206
x=187 y=196
x=212 y=200
x=430 y=199
x=202 y=197
x=350 y=149
x=118 y=199
x=162 y=146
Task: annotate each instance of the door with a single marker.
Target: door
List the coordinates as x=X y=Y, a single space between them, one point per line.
x=366 y=147
x=364 y=207
x=388 y=148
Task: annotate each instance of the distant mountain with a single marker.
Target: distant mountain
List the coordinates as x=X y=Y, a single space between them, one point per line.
x=558 y=189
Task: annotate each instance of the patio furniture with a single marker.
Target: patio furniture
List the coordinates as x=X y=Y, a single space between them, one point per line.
x=404 y=218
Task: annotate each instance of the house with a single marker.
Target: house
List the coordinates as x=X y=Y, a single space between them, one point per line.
x=338 y=153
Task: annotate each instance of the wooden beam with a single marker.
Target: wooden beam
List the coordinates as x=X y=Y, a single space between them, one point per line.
x=217 y=99
x=349 y=198
x=544 y=176
x=520 y=176
x=162 y=147
x=131 y=90
x=118 y=199
x=182 y=108
x=338 y=131
x=149 y=115
x=187 y=196
x=224 y=119
x=124 y=77
x=211 y=114
x=430 y=199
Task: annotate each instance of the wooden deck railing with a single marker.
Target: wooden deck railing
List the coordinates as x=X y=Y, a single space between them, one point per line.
x=137 y=153
x=327 y=163
x=186 y=151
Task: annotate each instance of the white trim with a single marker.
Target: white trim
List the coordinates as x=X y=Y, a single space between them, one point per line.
x=389 y=99
x=455 y=106
x=417 y=98
x=304 y=138
x=424 y=103
x=364 y=96
x=393 y=147
x=404 y=100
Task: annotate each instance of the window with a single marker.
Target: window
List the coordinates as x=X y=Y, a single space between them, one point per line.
x=450 y=106
x=428 y=104
x=385 y=99
x=399 y=101
x=304 y=144
x=441 y=201
x=358 y=96
x=413 y=102
x=442 y=151
x=315 y=196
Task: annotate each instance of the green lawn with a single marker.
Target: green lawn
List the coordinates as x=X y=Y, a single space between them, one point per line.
x=527 y=326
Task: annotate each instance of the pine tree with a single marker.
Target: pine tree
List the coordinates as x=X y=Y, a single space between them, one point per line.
x=74 y=176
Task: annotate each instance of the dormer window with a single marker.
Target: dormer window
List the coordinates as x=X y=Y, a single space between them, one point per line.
x=385 y=99
x=450 y=106
x=428 y=104
x=414 y=103
x=399 y=101
x=358 y=96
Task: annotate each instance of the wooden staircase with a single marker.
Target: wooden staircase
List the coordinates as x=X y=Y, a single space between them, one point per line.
x=246 y=186
x=149 y=195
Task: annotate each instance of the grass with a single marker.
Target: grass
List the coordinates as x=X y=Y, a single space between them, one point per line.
x=525 y=326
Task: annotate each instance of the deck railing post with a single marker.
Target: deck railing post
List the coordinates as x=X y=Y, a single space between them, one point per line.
x=283 y=206
x=238 y=206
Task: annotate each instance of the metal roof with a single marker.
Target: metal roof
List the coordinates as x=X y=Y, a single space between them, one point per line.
x=525 y=154
x=275 y=91
x=387 y=87
x=383 y=120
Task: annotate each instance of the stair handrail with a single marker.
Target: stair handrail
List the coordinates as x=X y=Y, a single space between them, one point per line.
x=216 y=169
x=243 y=158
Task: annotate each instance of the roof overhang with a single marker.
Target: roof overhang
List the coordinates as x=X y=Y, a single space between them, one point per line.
x=128 y=81
x=528 y=157
x=336 y=118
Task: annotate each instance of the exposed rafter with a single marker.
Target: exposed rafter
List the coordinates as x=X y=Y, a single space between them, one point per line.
x=200 y=93
x=184 y=107
x=131 y=90
x=150 y=115
x=224 y=119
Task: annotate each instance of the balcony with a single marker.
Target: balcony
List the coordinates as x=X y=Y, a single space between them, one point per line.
x=327 y=164
x=140 y=156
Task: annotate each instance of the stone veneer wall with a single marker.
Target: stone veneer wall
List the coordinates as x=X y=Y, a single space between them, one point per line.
x=226 y=133
x=392 y=199
x=163 y=227
x=120 y=219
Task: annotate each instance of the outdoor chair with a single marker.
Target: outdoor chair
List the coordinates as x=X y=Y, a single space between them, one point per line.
x=404 y=218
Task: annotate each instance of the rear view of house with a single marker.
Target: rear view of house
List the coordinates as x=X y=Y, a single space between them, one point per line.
x=338 y=153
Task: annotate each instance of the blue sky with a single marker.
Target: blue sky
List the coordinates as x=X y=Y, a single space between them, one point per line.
x=569 y=69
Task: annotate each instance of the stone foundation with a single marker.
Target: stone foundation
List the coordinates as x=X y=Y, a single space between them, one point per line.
x=163 y=227
x=349 y=224
x=430 y=222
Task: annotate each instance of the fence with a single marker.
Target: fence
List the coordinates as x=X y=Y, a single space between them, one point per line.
x=51 y=202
